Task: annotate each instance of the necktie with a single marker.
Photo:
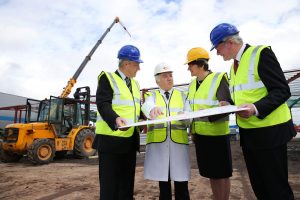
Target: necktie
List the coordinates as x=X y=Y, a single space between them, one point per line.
x=235 y=65
x=128 y=83
x=167 y=95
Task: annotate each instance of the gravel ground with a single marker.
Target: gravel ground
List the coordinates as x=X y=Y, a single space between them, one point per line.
x=78 y=179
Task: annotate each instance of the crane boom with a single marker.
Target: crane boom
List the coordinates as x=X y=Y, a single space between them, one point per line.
x=72 y=81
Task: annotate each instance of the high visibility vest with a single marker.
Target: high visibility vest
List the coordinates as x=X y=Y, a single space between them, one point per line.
x=247 y=87
x=157 y=133
x=203 y=98
x=124 y=103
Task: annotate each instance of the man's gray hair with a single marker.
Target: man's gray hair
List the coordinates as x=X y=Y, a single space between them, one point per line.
x=121 y=62
x=235 y=38
x=157 y=78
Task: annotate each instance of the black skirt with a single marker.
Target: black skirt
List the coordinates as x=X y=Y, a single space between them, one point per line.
x=213 y=156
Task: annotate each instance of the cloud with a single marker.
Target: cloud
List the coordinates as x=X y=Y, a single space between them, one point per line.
x=45 y=42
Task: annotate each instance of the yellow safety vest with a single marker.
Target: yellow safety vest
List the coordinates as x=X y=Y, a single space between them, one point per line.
x=203 y=98
x=158 y=132
x=247 y=87
x=124 y=103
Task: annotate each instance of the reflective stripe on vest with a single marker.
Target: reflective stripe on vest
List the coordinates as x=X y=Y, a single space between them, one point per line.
x=160 y=126
x=252 y=84
x=205 y=97
x=247 y=87
x=124 y=103
x=158 y=132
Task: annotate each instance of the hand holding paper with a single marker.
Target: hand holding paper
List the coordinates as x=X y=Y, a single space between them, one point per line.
x=247 y=113
x=155 y=112
x=121 y=122
x=223 y=103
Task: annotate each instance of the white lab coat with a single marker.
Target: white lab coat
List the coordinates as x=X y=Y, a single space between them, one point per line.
x=160 y=157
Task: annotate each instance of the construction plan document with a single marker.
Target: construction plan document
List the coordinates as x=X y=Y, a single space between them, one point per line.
x=190 y=115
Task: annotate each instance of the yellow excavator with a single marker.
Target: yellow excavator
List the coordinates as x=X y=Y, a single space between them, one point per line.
x=54 y=126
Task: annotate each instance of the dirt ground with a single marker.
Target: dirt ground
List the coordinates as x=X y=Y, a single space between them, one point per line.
x=75 y=179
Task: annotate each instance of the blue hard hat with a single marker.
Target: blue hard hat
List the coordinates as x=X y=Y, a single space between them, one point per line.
x=220 y=32
x=130 y=52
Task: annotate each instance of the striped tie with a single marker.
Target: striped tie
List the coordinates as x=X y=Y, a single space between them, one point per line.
x=128 y=83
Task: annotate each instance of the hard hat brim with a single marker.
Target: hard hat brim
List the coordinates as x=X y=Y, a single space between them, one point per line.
x=163 y=72
x=134 y=60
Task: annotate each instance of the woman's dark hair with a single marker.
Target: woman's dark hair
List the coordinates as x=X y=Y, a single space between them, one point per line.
x=201 y=62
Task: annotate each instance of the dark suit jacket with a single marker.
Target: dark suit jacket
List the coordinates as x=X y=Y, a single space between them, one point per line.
x=273 y=78
x=105 y=143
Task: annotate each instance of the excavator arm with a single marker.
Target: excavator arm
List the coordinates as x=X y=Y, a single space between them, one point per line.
x=72 y=81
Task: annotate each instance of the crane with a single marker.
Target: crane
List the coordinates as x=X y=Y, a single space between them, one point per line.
x=73 y=79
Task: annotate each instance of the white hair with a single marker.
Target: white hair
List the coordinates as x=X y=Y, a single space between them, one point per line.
x=236 y=39
x=157 y=78
x=121 y=62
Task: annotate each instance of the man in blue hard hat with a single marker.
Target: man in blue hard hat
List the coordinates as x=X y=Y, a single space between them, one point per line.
x=118 y=103
x=257 y=82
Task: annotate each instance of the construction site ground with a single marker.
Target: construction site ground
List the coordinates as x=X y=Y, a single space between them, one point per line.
x=76 y=179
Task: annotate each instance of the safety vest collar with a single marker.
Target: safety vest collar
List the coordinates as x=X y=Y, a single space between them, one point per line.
x=117 y=99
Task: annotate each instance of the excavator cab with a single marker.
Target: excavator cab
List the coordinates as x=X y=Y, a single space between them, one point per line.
x=67 y=113
x=62 y=113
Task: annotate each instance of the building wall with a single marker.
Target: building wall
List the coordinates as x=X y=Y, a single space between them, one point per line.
x=7 y=116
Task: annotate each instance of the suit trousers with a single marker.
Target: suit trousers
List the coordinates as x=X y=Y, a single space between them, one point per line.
x=181 y=190
x=268 y=172
x=116 y=174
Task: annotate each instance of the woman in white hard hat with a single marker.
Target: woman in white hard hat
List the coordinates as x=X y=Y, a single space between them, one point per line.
x=210 y=134
x=167 y=150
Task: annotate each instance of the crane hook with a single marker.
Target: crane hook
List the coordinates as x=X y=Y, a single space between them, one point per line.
x=118 y=20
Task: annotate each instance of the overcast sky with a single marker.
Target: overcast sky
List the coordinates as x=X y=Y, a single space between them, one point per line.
x=42 y=43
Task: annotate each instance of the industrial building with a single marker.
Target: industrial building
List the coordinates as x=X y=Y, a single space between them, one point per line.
x=12 y=107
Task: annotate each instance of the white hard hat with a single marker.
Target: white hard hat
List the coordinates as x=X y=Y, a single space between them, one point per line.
x=161 y=68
